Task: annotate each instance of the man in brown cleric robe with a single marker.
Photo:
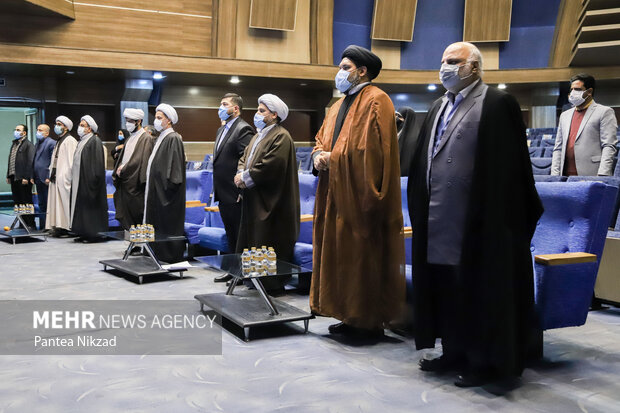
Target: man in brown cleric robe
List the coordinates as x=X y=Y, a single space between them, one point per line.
x=130 y=171
x=267 y=174
x=358 y=250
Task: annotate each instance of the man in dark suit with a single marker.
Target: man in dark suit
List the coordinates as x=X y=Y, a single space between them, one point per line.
x=232 y=138
x=474 y=211
x=42 y=160
x=19 y=171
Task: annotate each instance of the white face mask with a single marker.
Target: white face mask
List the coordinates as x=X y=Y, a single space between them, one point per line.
x=158 y=126
x=81 y=131
x=130 y=126
x=450 y=78
x=576 y=97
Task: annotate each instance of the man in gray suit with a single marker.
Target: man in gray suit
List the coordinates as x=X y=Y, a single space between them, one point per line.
x=474 y=212
x=586 y=140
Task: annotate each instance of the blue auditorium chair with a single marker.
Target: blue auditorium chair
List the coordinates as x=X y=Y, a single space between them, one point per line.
x=536 y=152
x=548 y=152
x=541 y=166
x=304 y=161
x=545 y=142
x=213 y=235
x=550 y=178
x=302 y=254
x=609 y=180
x=110 y=189
x=572 y=229
x=208 y=162
x=198 y=188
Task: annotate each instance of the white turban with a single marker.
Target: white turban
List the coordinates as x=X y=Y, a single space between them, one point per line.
x=65 y=121
x=91 y=122
x=169 y=111
x=274 y=104
x=133 y=114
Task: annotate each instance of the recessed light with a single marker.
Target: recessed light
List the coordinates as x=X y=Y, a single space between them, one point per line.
x=401 y=96
x=303 y=84
x=70 y=72
x=432 y=87
x=158 y=76
x=193 y=91
x=501 y=86
x=234 y=80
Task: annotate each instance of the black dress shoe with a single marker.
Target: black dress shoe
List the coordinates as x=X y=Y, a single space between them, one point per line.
x=339 y=328
x=472 y=380
x=345 y=329
x=440 y=364
x=222 y=278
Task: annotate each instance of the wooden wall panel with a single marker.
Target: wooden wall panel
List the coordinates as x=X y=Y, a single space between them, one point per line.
x=270 y=45
x=62 y=7
x=388 y=52
x=490 y=55
x=321 y=32
x=393 y=20
x=225 y=28
x=564 y=35
x=273 y=14
x=487 y=20
x=105 y=25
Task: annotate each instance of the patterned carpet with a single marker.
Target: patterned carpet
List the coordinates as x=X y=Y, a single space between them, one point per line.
x=281 y=370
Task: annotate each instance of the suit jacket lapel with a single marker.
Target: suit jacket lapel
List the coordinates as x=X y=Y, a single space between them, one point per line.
x=461 y=111
x=586 y=117
x=217 y=148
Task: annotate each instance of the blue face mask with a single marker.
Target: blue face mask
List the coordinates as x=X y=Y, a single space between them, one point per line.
x=121 y=137
x=58 y=130
x=17 y=135
x=223 y=113
x=40 y=136
x=259 y=121
x=450 y=78
x=342 y=81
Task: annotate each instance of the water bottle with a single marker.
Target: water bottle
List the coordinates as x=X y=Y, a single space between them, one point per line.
x=245 y=256
x=132 y=233
x=151 y=232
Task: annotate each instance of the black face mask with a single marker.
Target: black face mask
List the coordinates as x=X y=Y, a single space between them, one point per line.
x=399 y=123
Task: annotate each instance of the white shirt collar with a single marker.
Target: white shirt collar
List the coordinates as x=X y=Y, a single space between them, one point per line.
x=356 y=88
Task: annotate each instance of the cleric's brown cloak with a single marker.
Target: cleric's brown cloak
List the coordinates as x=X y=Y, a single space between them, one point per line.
x=358 y=249
x=131 y=184
x=270 y=209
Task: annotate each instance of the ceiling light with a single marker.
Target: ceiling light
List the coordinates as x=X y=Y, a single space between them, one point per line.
x=70 y=72
x=234 y=80
x=401 y=96
x=501 y=86
x=193 y=91
x=432 y=87
x=158 y=76
x=303 y=84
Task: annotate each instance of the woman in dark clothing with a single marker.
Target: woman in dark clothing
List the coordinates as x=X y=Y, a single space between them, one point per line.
x=123 y=134
x=407 y=137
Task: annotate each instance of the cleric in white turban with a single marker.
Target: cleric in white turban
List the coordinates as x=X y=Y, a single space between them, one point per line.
x=274 y=104
x=169 y=112
x=58 y=218
x=267 y=173
x=128 y=176
x=89 y=204
x=164 y=199
x=66 y=122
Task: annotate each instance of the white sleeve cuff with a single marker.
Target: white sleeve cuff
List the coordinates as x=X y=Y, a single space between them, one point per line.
x=247 y=179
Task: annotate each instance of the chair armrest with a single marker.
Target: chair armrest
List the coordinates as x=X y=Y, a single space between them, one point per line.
x=110 y=196
x=306 y=218
x=564 y=259
x=193 y=204
x=212 y=209
x=407 y=232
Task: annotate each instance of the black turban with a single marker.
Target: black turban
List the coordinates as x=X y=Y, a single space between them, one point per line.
x=363 y=57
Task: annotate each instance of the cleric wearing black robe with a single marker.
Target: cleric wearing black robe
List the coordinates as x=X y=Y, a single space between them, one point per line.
x=164 y=200
x=474 y=208
x=89 y=205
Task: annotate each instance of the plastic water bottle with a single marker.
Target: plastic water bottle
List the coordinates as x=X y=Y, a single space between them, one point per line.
x=245 y=256
x=151 y=232
x=132 y=233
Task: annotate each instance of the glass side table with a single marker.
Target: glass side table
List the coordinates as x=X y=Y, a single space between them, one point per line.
x=140 y=266
x=25 y=230
x=247 y=309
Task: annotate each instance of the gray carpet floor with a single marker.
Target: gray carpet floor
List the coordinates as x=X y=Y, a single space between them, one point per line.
x=281 y=370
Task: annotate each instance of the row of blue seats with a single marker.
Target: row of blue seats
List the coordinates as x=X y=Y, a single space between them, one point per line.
x=304 y=161
x=541 y=152
x=544 y=142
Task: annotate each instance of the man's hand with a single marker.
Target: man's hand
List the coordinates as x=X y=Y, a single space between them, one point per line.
x=118 y=171
x=24 y=182
x=8 y=181
x=47 y=181
x=32 y=181
x=239 y=181
x=321 y=161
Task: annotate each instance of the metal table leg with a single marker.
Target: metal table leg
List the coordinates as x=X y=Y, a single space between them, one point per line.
x=263 y=293
x=21 y=220
x=152 y=255
x=233 y=283
x=128 y=250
